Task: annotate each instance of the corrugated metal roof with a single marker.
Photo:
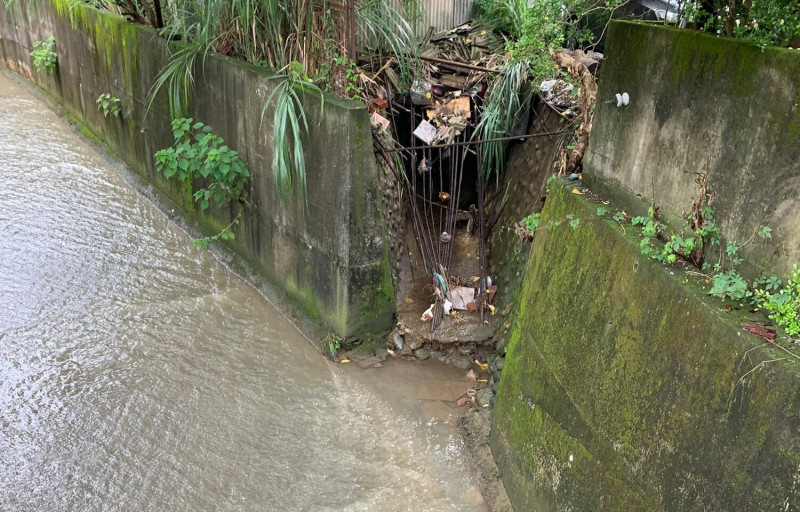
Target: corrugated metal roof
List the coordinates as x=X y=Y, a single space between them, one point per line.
x=440 y=14
x=462 y=10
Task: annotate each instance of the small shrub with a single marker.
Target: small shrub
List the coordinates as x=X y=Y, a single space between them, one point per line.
x=197 y=152
x=44 y=54
x=730 y=285
x=532 y=221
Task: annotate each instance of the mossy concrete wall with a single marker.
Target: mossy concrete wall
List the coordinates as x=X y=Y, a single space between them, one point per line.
x=699 y=104
x=626 y=388
x=331 y=258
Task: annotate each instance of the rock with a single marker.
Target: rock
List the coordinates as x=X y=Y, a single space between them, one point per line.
x=397 y=340
x=466 y=350
x=461 y=362
x=371 y=362
x=495 y=386
x=499 y=362
x=422 y=353
x=484 y=396
x=471 y=307
x=414 y=342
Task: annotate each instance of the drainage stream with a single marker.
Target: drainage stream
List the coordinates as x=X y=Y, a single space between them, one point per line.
x=138 y=373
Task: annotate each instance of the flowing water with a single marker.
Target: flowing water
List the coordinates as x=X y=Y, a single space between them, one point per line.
x=138 y=373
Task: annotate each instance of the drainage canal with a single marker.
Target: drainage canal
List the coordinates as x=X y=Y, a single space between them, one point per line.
x=138 y=373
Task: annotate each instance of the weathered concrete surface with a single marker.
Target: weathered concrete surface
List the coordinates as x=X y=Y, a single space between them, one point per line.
x=332 y=258
x=700 y=102
x=626 y=388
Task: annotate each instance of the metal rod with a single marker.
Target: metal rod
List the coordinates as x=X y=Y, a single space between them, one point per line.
x=478 y=142
x=459 y=64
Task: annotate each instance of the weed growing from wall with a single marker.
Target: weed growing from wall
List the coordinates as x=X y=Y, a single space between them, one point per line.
x=199 y=154
x=289 y=124
x=44 y=54
x=108 y=104
x=332 y=343
x=691 y=244
x=782 y=303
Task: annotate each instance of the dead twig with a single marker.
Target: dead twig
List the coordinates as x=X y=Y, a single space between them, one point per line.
x=587 y=97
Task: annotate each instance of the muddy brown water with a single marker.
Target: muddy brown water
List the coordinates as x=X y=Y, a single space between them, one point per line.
x=138 y=373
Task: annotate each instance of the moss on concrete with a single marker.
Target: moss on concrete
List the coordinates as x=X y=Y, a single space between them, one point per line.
x=619 y=363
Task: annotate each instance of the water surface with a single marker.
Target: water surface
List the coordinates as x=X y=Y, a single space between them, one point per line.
x=138 y=373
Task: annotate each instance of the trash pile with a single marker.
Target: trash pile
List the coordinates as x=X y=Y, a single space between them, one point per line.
x=424 y=132
x=465 y=298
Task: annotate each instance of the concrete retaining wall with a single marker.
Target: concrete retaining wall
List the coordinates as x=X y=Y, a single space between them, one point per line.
x=332 y=259
x=703 y=104
x=625 y=387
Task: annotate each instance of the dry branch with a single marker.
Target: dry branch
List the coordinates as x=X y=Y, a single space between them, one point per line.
x=572 y=159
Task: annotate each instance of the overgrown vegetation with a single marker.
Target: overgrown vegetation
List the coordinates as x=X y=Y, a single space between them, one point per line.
x=765 y=22
x=197 y=154
x=108 y=104
x=536 y=32
x=701 y=237
x=298 y=39
x=44 y=54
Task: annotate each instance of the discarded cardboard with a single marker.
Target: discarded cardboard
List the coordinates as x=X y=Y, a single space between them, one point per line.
x=379 y=122
x=425 y=132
